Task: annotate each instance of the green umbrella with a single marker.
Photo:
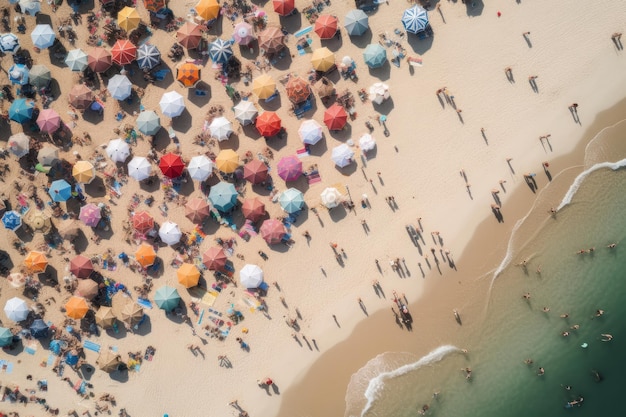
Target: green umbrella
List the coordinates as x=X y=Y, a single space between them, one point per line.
x=167 y=298
x=6 y=337
x=148 y=122
x=291 y=200
x=39 y=76
x=223 y=196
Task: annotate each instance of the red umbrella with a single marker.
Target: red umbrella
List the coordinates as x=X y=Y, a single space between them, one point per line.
x=289 y=168
x=81 y=266
x=189 y=35
x=196 y=210
x=99 y=59
x=253 y=209
x=326 y=26
x=123 y=52
x=284 y=7
x=335 y=117
x=255 y=171
x=214 y=259
x=273 y=231
x=268 y=123
x=143 y=222
x=172 y=166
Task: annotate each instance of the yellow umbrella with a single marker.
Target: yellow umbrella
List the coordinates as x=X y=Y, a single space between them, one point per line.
x=39 y=221
x=188 y=275
x=83 y=172
x=36 y=261
x=263 y=86
x=323 y=59
x=208 y=9
x=76 y=308
x=128 y=19
x=227 y=161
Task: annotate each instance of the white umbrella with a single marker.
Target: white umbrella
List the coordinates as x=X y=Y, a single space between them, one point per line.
x=342 y=155
x=172 y=104
x=379 y=92
x=118 y=150
x=347 y=61
x=76 y=59
x=310 y=132
x=43 y=36
x=47 y=155
x=16 y=309
x=251 y=276
x=17 y=279
x=170 y=233
x=221 y=128
x=139 y=168
x=367 y=142
x=31 y=7
x=19 y=144
x=245 y=112
x=331 y=197
x=120 y=87
x=200 y=167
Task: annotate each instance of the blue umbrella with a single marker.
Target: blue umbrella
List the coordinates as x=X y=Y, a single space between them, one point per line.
x=18 y=74
x=60 y=191
x=291 y=200
x=148 y=56
x=12 y=220
x=43 y=36
x=21 y=111
x=356 y=22
x=415 y=19
x=6 y=337
x=9 y=43
x=39 y=329
x=223 y=196
x=374 y=55
x=167 y=298
x=220 y=51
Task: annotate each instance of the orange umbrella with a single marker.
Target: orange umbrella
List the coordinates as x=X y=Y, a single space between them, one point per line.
x=214 y=259
x=326 y=26
x=36 y=261
x=76 y=308
x=208 y=9
x=298 y=90
x=145 y=255
x=188 y=74
x=189 y=35
x=123 y=52
x=253 y=209
x=268 y=123
x=154 y=5
x=188 y=275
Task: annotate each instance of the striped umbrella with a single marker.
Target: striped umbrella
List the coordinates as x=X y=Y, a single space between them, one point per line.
x=415 y=19
x=123 y=52
x=18 y=74
x=148 y=56
x=9 y=43
x=220 y=51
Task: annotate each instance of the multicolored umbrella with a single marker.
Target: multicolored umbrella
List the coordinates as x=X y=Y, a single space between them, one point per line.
x=342 y=155
x=415 y=19
x=81 y=96
x=39 y=76
x=223 y=196
x=16 y=309
x=208 y=9
x=335 y=117
x=268 y=123
x=375 y=55
x=83 y=172
x=289 y=168
x=18 y=74
x=273 y=231
x=154 y=5
x=90 y=214
x=200 y=167
x=43 y=36
x=243 y=33
x=255 y=171
x=251 y=276
x=60 y=191
x=76 y=60
x=172 y=104
x=331 y=197
x=284 y=7
x=145 y=255
x=128 y=19
x=139 y=168
x=245 y=112
x=167 y=298
x=298 y=90
x=263 y=86
x=118 y=150
x=189 y=35
x=221 y=128
x=271 y=40
x=227 y=161
x=148 y=122
x=172 y=166
x=123 y=52
x=21 y=110
x=291 y=200
x=120 y=87
x=196 y=210
x=322 y=59
x=36 y=261
x=47 y=155
x=356 y=22
x=253 y=209
x=310 y=132
x=48 y=121
x=12 y=220
x=99 y=59
x=214 y=259
x=148 y=56
x=142 y=222
x=170 y=233
x=220 y=51
x=9 y=43
x=188 y=275
x=326 y=26
x=188 y=74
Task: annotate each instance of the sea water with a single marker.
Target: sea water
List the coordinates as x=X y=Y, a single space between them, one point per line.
x=544 y=263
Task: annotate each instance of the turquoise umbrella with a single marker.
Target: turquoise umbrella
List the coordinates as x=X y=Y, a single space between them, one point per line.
x=374 y=55
x=223 y=196
x=6 y=337
x=291 y=200
x=60 y=191
x=21 y=111
x=167 y=298
x=148 y=122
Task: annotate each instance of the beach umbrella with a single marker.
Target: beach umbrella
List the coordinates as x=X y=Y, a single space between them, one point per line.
x=245 y=112
x=214 y=259
x=21 y=110
x=39 y=329
x=284 y=7
x=253 y=209
x=87 y=288
x=81 y=266
x=375 y=55
x=172 y=166
x=118 y=150
x=148 y=56
x=6 y=337
x=268 y=123
x=39 y=221
x=9 y=43
x=298 y=90
x=322 y=59
x=105 y=317
x=18 y=74
x=16 y=279
x=154 y=5
x=132 y=313
x=243 y=33
x=263 y=86
x=145 y=255
x=330 y=197
x=119 y=87
x=415 y=19
x=123 y=52
x=16 y=309
x=367 y=143
x=172 y=104
x=289 y=168
x=76 y=308
x=128 y=19
x=12 y=220
x=221 y=128
x=39 y=76
x=188 y=74
x=83 y=172
x=255 y=171
x=310 y=132
x=148 y=122
x=90 y=214
x=291 y=200
x=197 y=209
x=378 y=93
x=19 y=144
x=76 y=60
x=342 y=155
x=36 y=261
x=81 y=96
x=167 y=298
x=189 y=35
x=326 y=26
x=220 y=51
x=271 y=40
x=170 y=233
x=223 y=196
x=273 y=231
x=356 y=22
x=251 y=276
x=208 y=9
x=200 y=167
x=48 y=121
x=108 y=361
x=188 y=275
x=139 y=168
x=142 y=222
x=30 y=7
x=335 y=117
x=43 y=36
x=99 y=59
x=227 y=161
x=59 y=191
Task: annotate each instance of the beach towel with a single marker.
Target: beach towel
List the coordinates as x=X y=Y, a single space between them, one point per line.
x=314 y=179
x=302 y=153
x=30 y=350
x=88 y=344
x=303 y=32
x=144 y=303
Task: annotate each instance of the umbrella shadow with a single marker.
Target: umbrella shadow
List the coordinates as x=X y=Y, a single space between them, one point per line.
x=301 y=184
x=283 y=61
x=150 y=184
x=474 y=7
x=319 y=148
x=347 y=170
x=120 y=376
x=251 y=132
x=337 y=213
x=81 y=243
x=119 y=332
x=43 y=19
x=231 y=143
x=182 y=123
x=335 y=43
x=200 y=95
x=383 y=72
x=362 y=41
x=250 y=51
x=419 y=46
x=92 y=116
x=161 y=140
x=144 y=328
x=291 y=23
x=96 y=188
x=131 y=104
x=24 y=234
x=279 y=141
x=385 y=107
x=57 y=54
x=5 y=130
x=343 y=134
x=272 y=105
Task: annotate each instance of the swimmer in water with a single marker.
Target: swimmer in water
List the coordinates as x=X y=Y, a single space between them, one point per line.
x=606 y=337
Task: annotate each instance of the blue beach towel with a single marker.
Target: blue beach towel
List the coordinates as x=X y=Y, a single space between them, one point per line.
x=88 y=344
x=144 y=303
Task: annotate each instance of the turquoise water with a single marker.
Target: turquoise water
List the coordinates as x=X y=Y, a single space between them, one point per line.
x=513 y=329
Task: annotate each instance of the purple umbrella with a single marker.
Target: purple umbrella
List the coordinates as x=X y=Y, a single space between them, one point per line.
x=90 y=214
x=289 y=168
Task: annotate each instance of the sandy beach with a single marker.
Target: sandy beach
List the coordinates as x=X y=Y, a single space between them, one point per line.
x=446 y=167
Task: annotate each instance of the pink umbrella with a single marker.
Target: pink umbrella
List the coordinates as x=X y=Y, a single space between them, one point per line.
x=273 y=231
x=49 y=121
x=90 y=214
x=244 y=33
x=289 y=168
